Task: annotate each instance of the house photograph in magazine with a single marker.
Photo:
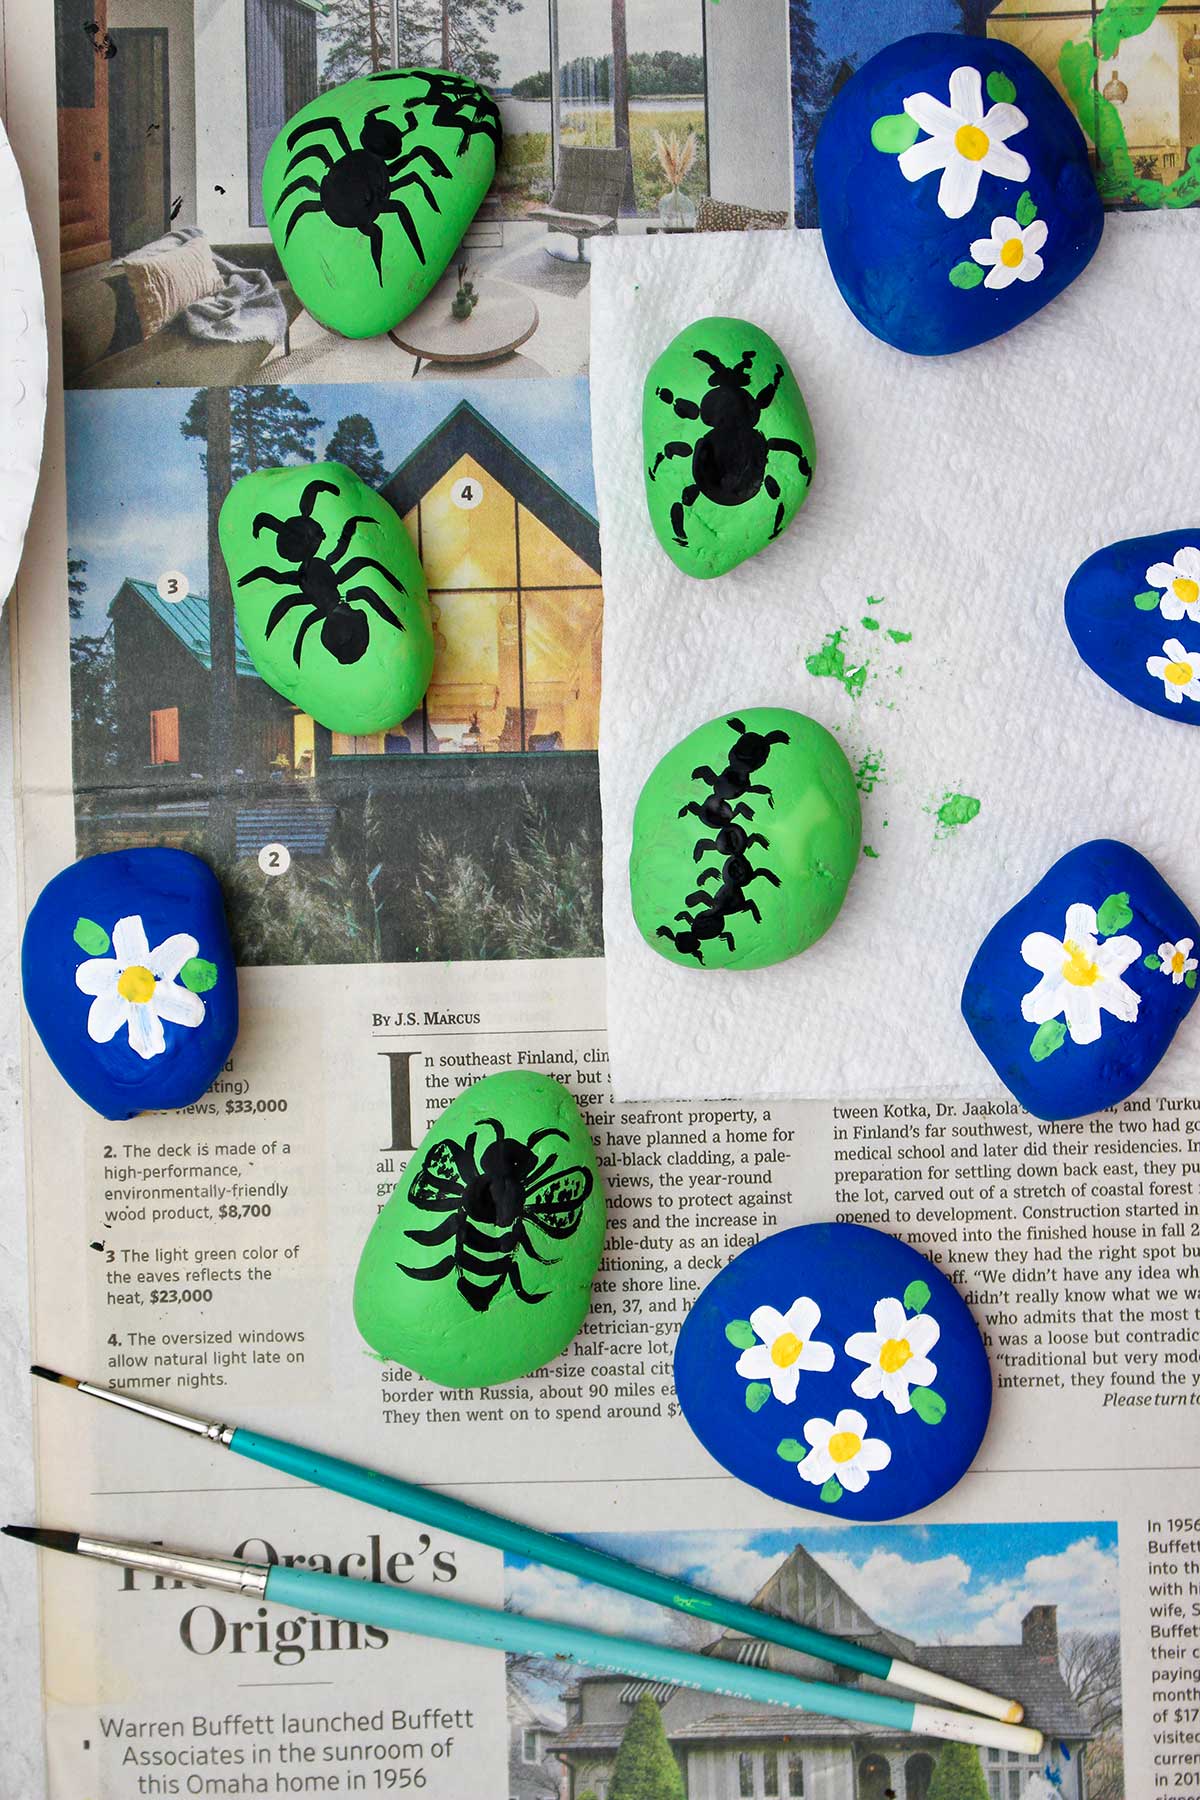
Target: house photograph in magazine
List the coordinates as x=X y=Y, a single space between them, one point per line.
x=1026 y=1610
x=618 y=118
x=471 y=830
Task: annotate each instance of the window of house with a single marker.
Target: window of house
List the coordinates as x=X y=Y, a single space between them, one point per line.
x=529 y=1746
x=994 y=1780
x=795 y=1775
x=1016 y=1782
x=281 y=77
x=745 y=1776
x=164 y=735
x=770 y=1772
x=993 y=1754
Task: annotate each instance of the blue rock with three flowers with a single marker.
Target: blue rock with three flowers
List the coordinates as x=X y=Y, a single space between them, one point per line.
x=954 y=192
x=129 y=979
x=1075 y=994
x=1133 y=612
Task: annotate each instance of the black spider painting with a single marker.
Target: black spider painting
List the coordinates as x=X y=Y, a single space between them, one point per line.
x=730 y=457
x=490 y=1198
x=318 y=579
x=457 y=102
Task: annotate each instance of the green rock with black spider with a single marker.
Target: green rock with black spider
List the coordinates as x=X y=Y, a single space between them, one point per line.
x=329 y=594
x=369 y=188
x=479 y=1268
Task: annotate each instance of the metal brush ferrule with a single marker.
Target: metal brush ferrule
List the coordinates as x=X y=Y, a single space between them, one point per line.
x=213 y=1571
x=211 y=1429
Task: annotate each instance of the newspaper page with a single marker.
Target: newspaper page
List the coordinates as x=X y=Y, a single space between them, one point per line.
x=418 y=908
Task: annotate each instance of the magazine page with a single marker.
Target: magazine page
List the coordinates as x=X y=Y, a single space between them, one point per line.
x=415 y=908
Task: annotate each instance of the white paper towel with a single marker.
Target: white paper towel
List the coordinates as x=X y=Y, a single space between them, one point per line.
x=958 y=494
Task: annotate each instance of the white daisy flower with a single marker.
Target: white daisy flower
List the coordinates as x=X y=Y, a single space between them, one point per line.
x=1080 y=977
x=895 y=1354
x=136 y=987
x=843 y=1449
x=1178 y=669
x=1176 y=960
x=1181 y=579
x=964 y=142
x=787 y=1347
x=1011 y=252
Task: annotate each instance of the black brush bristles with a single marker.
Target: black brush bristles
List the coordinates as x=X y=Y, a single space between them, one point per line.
x=52 y=1375
x=44 y=1537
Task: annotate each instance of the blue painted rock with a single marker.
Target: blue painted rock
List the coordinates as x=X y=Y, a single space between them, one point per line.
x=1075 y=994
x=1133 y=612
x=369 y=188
x=129 y=979
x=954 y=191
x=808 y=1366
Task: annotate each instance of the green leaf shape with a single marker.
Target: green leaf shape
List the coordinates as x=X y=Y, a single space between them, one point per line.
x=791 y=1450
x=1001 y=89
x=1026 y=209
x=91 y=937
x=928 y=1405
x=966 y=275
x=832 y=1491
x=1115 y=914
x=1047 y=1039
x=1189 y=979
x=198 y=975
x=1148 y=601
x=742 y=1333
x=916 y=1296
x=757 y=1395
x=1155 y=962
x=894 y=133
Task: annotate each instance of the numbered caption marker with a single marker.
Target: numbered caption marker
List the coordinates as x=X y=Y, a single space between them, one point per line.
x=274 y=859
x=467 y=493
x=173 y=585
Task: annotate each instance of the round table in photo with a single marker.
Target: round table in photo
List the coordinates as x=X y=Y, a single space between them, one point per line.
x=502 y=319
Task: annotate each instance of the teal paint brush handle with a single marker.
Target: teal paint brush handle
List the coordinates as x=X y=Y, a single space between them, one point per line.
x=428 y=1615
x=431 y=1508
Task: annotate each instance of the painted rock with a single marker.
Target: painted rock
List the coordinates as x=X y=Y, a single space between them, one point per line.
x=745 y=838
x=834 y=1367
x=329 y=594
x=729 y=450
x=369 y=188
x=954 y=192
x=479 y=1268
x=1075 y=994
x=129 y=979
x=1133 y=612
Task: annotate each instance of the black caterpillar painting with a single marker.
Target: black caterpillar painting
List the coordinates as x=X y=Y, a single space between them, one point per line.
x=490 y=1199
x=709 y=910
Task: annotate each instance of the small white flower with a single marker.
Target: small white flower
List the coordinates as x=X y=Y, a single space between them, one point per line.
x=1181 y=579
x=964 y=142
x=787 y=1347
x=136 y=987
x=1176 y=960
x=1178 y=670
x=895 y=1354
x=1011 y=252
x=843 y=1449
x=1080 y=977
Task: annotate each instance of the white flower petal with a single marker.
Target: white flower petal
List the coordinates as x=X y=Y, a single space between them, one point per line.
x=1184 y=946
x=1043 y=952
x=1173 y=692
x=1000 y=277
x=1160 y=574
x=96 y=975
x=1171 y=607
x=1045 y=1001
x=1118 y=998
x=768 y=1323
x=169 y=956
x=890 y=1318
x=1081 y=927
x=817 y=1432
x=923 y=158
x=129 y=941
x=1004 y=228
x=817 y=1467
x=864 y=1346
x=868 y=1385
x=850 y=1419
x=920 y=1371
x=1156 y=665
x=106 y=1015
x=875 y=1454
x=1030 y=269
x=1081 y=1008
x=1004 y=163
x=755 y=1364
x=1167 y=951
x=1114 y=956
x=784 y=1383
x=895 y=1390
x=966 y=94
x=802 y=1317
x=852 y=1476
x=1003 y=121
x=985 y=251
x=932 y=115
x=816 y=1356
x=146 y=1032
x=922 y=1333
x=1175 y=650
x=1187 y=563
x=178 y=1004
x=1035 y=236
x=959 y=186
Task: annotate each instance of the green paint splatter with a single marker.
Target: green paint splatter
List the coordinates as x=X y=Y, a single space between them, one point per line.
x=928 y=1405
x=757 y=1395
x=916 y=1296
x=868 y=623
x=198 y=974
x=1189 y=980
x=900 y=637
x=868 y=851
x=830 y=661
x=966 y=275
x=91 y=937
x=791 y=1450
x=1079 y=69
x=1152 y=962
x=954 y=811
x=1000 y=88
x=1047 y=1039
x=1148 y=601
x=869 y=772
x=832 y=1491
x=1115 y=914
x=894 y=133
x=875 y=599
x=1026 y=210
x=741 y=1333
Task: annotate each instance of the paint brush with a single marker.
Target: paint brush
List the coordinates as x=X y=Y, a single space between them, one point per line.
x=429 y=1507
x=431 y=1616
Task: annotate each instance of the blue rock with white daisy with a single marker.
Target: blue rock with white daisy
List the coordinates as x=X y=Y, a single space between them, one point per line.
x=1075 y=994
x=1133 y=612
x=129 y=979
x=954 y=191
x=835 y=1367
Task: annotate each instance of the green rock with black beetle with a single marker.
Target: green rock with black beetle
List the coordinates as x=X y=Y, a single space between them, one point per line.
x=329 y=594
x=745 y=837
x=369 y=188
x=479 y=1268
x=728 y=445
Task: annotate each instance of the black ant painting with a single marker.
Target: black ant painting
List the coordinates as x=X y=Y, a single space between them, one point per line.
x=490 y=1199
x=318 y=579
x=729 y=459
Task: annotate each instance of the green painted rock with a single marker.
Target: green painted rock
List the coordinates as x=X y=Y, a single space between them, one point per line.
x=744 y=841
x=479 y=1268
x=329 y=594
x=729 y=450
x=369 y=188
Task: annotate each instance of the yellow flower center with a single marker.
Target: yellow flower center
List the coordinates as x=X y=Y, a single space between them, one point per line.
x=1177 y=963
x=136 y=984
x=1012 y=253
x=894 y=1354
x=844 y=1445
x=971 y=142
x=1078 y=969
x=1185 y=591
x=1178 y=673
x=786 y=1349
